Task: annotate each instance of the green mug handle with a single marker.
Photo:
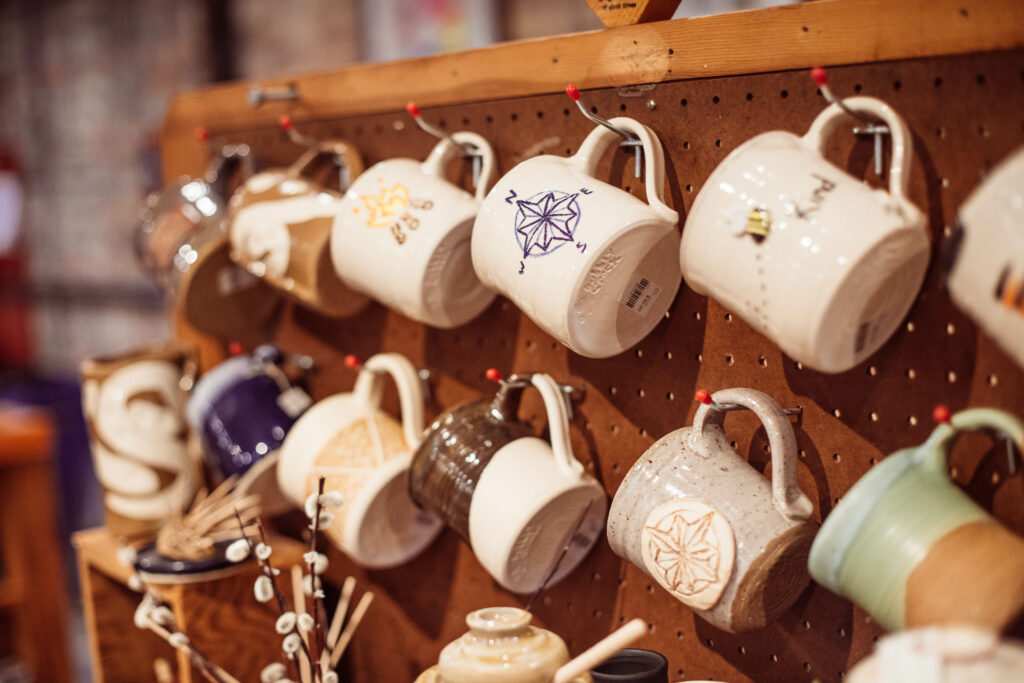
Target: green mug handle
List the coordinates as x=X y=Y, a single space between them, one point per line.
x=934 y=453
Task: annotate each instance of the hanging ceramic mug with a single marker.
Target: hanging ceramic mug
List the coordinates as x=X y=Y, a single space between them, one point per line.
x=280 y=227
x=811 y=257
x=242 y=409
x=181 y=243
x=709 y=528
x=134 y=406
x=591 y=264
x=907 y=545
x=518 y=500
x=986 y=279
x=364 y=453
x=408 y=215
x=501 y=647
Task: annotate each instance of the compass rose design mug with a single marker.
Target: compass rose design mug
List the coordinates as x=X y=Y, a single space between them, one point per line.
x=592 y=265
x=280 y=228
x=709 y=528
x=408 y=215
x=813 y=258
x=986 y=279
x=364 y=453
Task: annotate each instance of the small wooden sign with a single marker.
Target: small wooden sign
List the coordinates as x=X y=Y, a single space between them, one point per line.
x=627 y=12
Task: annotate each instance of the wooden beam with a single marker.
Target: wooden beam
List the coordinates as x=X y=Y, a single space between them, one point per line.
x=828 y=32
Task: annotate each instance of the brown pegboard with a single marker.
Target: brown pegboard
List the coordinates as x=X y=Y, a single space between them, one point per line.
x=966 y=115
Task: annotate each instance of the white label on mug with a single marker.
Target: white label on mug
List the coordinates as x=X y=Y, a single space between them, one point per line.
x=294 y=401
x=232 y=278
x=639 y=296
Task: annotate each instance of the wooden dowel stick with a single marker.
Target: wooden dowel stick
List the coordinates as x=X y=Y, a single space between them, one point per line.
x=350 y=628
x=339 y=618
x=299 y=606
x=605 y=648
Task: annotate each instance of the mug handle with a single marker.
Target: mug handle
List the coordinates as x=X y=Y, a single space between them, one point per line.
x=443 y=151
x=369 y=388
x=789 y=500
x=597 y=141
x=934 y=453
x=902 y=145
x=555 y=402
x=346 y=157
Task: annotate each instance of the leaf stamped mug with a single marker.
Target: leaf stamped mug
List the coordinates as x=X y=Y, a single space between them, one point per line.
x=518 y=500
x=134 y=405
x=591 y=264
x=810 y=256
x=364 y=453
x=407 y=215
x=709 y=528
x=907 y=545
x=280 y=228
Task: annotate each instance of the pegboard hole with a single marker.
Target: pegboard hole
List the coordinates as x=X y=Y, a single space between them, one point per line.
x=858 y=87
x=715 y=99
x=682 y=102
x=872 y=461
x=696 y=315
x=689 y=187
x=613 y=390
x=940 y=132
x=804 y=29
x=750 y=96
x=874 y=417
x=718 y=143
x=836 y=457
x=598 y=614
x=710 y=642
x=784 y=94
x=802 y=453
x=686 y=144
x=641 y=393
x=951 y=377
x=911 y=373
x=807 y=666
x=671 y=51
x=896 y=85
x=910 y=326
x=649 y=588
x=950 y=329
x=489 y=119
x=841 y=632
x=995 y=478
x=912 y=420
x=565 y=112
x=775 y=658
x=938 y=82
x=529 y=344
x=872 y=370
x=807 y=624
x=514 y=116
x=984 y=131
x=615 y=429
x=733 y=444
x=836 y=413
x=762 y=361
x=700 y=357
x=993 y=380
x=980 y=79
x=668 y=355
x=670 y=396
x=540 y=114
x=799 y=365
x=742 y=650
x=728 y=317
x=465 y=120
x=729 y=360
x=679 y=635
x=639 y=353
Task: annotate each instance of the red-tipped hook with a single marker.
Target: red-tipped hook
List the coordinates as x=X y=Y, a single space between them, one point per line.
x=413 y=109
x=942 y=415
x=573 y=92
x=703 y=396
x=236 y=348
x=493 y=375
x=819 y=76
x=202 y=135
x=285 y=122
x=352 y=363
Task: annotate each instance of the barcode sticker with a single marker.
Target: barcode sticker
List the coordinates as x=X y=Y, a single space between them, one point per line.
x=233 y=278
x=294 y=401
x=640 y=295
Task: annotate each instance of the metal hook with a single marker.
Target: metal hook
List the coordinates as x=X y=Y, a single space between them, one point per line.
x=258 y=94
x=344 y=176
x=570 y=392
x=871 y=127
x=468 y=149
x=629 y=140
x=704 y=396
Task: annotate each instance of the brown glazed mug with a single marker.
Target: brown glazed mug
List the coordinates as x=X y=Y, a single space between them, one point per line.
x=280 y=229
x=134 y=406
x=710 y=528
x=180 y=242
x=525 y=506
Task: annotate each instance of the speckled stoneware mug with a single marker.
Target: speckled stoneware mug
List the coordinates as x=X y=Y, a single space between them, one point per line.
x=501 y=647
x=364 y=453
x=810 y=256
x=518 y=500
x=907 y=545
x=591 y=264
x=280 y=228
x=986 y=279
x=134 y=405
x=709 y=528
x=406 y=214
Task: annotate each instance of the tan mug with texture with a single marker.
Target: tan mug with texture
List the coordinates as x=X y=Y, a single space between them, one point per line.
x=280 y=229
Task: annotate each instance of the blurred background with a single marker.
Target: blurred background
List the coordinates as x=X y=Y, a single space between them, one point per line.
x=85 y=84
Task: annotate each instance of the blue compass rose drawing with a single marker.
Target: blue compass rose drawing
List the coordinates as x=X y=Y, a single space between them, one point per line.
x=546 y=221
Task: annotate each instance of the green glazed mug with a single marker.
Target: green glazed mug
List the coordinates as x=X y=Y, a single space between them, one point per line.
x=907 y=545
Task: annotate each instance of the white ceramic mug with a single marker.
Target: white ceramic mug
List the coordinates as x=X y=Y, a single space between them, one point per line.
x=591 y=264
x=406 y=214
x=987 y=276
x=711 y=530
x=810 y=256
x=364 y=453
